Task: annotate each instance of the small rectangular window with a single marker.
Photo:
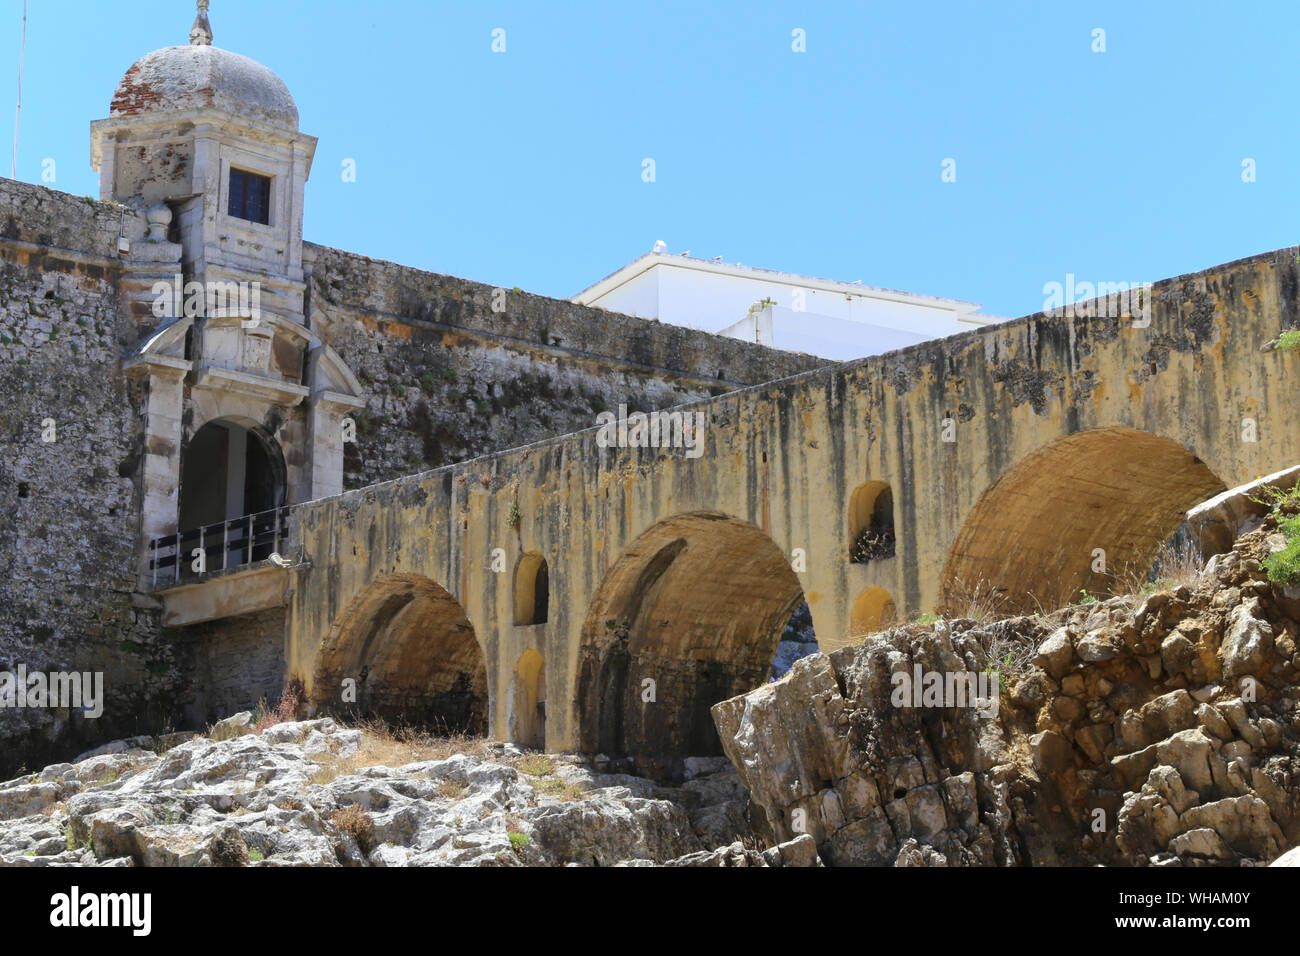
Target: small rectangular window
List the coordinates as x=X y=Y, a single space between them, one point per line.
x=250 y=196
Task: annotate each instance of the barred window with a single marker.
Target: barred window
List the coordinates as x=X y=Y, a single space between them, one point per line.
x=250 y=196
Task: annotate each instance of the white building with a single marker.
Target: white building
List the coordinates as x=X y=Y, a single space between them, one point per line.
x=835 y=320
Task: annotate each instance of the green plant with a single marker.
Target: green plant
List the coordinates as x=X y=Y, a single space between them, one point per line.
x=255 y=855
x=1290 y=339
x=513 y=517
x=1283 y=566
x=519 y=840
x=1087 y=598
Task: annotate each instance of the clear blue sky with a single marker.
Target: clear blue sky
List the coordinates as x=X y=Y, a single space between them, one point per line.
x=524 y=168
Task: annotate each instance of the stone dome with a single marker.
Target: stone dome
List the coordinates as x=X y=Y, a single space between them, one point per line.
x=190 y=77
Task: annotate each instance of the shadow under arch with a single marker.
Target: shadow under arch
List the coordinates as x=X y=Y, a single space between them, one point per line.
x=871 y=522
x=1032 y=537
x=696 y=605
x=531 y=590
x=413 y=654
x=230 y=467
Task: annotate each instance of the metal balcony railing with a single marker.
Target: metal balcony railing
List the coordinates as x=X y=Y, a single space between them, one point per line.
x=230 y=544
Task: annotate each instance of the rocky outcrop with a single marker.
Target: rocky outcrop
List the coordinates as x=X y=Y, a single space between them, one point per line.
x=290 y=797
x=1159 y=730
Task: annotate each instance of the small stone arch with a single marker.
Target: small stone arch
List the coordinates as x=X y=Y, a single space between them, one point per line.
x=528 y=701
x=871 y=522
x=532 y=590
x=873 y=610
x=233 y=483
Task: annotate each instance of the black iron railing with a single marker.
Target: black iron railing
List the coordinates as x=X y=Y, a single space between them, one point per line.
x=174 y=558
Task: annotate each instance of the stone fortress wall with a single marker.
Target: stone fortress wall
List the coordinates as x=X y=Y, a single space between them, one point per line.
x=446 y=378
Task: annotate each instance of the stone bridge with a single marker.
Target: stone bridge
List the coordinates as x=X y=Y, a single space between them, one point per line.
x=592 y=598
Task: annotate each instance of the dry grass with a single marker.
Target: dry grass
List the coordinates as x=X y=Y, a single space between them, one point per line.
x=980 y=603
x=559 y=789
x=383 y=745
x=1010 y=657
x=1173 y=566
x=352 y=819
x=535 y=765
x=285 y=711
x=451 y=789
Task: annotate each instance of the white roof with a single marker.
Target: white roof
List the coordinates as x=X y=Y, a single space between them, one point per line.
x=651 y=259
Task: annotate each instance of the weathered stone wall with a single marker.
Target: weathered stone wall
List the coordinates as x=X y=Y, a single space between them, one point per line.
x=68 y=507
x=449 y=378
x=786 y=459
x=235 y=664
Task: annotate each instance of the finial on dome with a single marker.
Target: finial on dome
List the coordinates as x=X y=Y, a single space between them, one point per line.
x=201 y=32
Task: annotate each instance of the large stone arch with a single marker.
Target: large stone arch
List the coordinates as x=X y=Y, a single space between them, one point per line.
x=696 y=604
x=1031 y=539
x=413 y=654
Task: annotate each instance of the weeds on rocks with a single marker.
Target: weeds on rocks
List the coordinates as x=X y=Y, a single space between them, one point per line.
x=355 y=821
x=286 y=710
x=385 y=745
x=1283 y=567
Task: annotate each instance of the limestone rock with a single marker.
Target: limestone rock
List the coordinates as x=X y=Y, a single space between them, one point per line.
x=1056 y=653
x=1246 y=642
x=271 y=800
x=801 y=851
x=1290 y=858
x=235 y=726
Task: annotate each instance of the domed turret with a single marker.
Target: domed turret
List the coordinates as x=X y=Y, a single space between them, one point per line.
x=198 y=76
x=214 y=136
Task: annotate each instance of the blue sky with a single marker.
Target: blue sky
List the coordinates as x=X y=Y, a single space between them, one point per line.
x=524 y=168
